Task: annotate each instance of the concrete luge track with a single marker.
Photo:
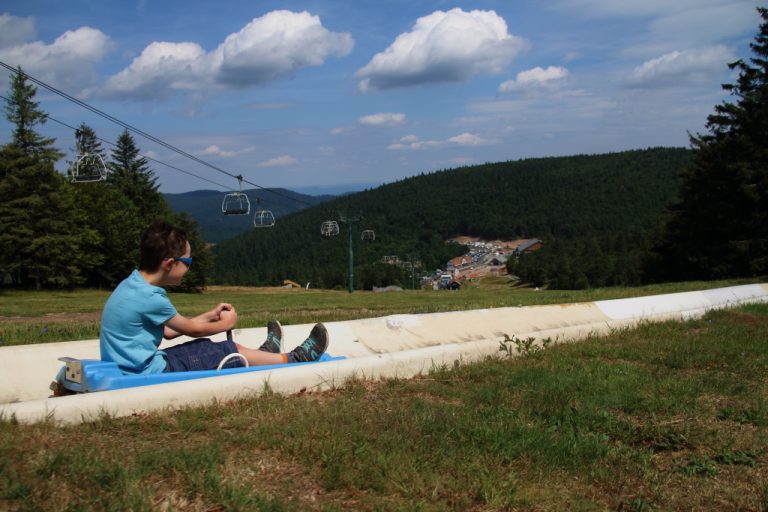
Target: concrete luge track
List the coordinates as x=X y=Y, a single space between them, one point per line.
x=391 y=346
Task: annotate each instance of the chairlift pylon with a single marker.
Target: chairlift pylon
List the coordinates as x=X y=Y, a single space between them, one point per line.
x=88 y=168
x=367 y=234
x=329 y=228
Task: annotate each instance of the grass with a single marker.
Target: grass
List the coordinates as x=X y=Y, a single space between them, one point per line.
x=46 y=316
x=668 y=416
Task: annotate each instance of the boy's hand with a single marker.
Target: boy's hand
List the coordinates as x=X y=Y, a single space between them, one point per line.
x=229 y=317
x=214 y=315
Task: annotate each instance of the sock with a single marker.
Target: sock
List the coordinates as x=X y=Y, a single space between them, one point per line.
x=285 y=358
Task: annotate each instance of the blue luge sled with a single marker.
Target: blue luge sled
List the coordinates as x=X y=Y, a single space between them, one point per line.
x=88 y=375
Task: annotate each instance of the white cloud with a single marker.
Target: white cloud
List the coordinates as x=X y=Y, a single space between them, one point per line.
x=412 y=142
x=443 y=47
x=160 y=68
x=66 y=62
x=217 y=151
x=280 y=161
x=681 y=67
x=383 y=119
x=470 y=139
x=273 y=46
x=15 y=30
x=534 y=78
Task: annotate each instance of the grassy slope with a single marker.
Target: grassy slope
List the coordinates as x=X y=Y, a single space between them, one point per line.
x=669 y=416
x=48 y=316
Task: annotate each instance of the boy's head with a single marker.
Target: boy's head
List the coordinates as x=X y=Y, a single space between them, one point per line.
x=159 y=242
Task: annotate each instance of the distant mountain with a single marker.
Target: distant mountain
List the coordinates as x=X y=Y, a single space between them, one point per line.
x=205 y=207
x=335 y=190
x=614 y=198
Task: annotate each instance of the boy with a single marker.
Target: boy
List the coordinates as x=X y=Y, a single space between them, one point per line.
x=139 y=314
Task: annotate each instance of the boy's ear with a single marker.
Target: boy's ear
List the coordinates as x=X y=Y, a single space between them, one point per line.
x=165 y=264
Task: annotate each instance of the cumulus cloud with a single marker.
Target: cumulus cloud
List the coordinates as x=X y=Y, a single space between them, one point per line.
x=273 y=46
x=66 y=62
x=466 y=139
x=681 y=66
x=217 y=151
x=383 y=119
x=443 y=47
x=280 y=161
x=15 y=30
x=533 y=79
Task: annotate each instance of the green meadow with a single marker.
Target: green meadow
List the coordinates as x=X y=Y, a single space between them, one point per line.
x=668 y=416
x=48 y=316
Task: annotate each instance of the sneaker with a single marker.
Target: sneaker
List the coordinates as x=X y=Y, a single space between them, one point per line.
x=274 y=337
x=312 y=348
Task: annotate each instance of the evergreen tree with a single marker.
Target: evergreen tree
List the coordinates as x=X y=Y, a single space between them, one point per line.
x=41 y=229
x=131 y=174
x=109 y=214
x=89 y=155
x=25 y=114
x=195 y=279
x=719 y=227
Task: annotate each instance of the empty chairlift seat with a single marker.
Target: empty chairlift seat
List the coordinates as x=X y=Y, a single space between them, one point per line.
x=236 y=203
x=329 y=228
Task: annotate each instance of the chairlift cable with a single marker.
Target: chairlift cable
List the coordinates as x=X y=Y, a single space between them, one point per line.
x=105 y=141
x=140 y=132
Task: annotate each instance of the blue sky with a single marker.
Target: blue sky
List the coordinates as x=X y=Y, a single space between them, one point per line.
x=327 y=92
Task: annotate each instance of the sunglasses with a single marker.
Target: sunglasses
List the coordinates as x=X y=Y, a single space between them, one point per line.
x=185 y=261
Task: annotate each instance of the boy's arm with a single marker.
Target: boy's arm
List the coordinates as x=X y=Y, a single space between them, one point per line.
x=209 y=316
x=201 y=325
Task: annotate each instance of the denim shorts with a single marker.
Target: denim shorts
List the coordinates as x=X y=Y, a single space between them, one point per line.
x=200 y=354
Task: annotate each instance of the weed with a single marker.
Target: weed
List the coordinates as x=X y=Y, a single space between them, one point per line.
x=636 y=505
x=700 y=467
x=737 y=458
x=757 y=416
x=524 y=347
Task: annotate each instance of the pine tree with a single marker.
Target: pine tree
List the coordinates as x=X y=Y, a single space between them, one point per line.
x=25 y=114
x=109 y=214
x=719 y=228
x=131 y=174
x=89 y=155
x=41 y=228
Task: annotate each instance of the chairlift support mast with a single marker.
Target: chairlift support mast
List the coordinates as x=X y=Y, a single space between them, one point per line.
x=332 y=228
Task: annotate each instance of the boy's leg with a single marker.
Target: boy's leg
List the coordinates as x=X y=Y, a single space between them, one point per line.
x=311 y=350
x=258 y=357
x=274 y=337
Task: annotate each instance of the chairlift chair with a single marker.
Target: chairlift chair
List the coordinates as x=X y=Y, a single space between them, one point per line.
x=263 y=219
x=236 y=203
x=329 y=228
x=368 y=234
x=89 y=168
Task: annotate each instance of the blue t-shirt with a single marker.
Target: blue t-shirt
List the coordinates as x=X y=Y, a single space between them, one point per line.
x=132 y=325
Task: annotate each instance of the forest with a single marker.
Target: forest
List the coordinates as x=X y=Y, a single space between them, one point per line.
x=63 y=231
x=606 y=202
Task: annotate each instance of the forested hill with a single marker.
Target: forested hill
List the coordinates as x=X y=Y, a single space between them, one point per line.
x=205 y=208
x=555 y=199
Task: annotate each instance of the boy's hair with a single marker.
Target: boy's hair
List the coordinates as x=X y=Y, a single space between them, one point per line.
x=160 y=241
